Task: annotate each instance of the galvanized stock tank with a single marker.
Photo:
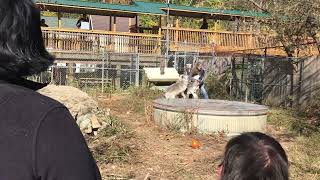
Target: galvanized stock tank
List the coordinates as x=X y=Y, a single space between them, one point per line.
x=210 y=116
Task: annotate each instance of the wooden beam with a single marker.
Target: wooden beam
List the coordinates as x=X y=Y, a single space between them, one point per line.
x=177 y=23
x=129 y=24
x=114 y=24
x=110 y=23
x=59 y=20
x=136 y=25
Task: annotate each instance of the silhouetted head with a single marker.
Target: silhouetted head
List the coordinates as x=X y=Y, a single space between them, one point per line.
x=22 y=51
x=204 y=20
x=43 y=21
x=254 y=156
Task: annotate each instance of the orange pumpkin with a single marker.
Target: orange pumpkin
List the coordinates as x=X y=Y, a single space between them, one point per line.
x=195 y=144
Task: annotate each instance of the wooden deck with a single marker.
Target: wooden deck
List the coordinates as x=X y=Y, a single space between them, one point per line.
x=180 y=39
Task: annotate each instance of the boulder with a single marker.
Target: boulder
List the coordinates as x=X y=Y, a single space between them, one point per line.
x=82 y=107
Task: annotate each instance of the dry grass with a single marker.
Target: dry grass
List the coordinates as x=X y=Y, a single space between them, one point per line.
x=150 y=150
x=133 y=147
x=303 y=151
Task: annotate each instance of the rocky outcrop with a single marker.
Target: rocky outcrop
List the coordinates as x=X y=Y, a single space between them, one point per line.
x=82 y=107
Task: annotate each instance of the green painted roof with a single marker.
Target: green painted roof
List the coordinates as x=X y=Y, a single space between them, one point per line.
x=151 y=8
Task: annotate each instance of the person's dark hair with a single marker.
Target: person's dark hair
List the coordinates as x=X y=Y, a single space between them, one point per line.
x=254 y=156
x=22 y=51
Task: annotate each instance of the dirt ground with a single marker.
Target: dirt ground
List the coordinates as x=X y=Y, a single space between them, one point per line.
x=155 y=153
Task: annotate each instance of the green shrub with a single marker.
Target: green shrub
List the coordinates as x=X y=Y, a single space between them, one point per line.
x=216 y=88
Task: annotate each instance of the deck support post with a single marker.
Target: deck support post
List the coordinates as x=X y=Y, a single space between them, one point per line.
x=137 y=23
x=59 y=20
x=59 y=26
x=160 y=21
x=114 y=23
x=129 y=24
x=110 y=23
x=177 y=23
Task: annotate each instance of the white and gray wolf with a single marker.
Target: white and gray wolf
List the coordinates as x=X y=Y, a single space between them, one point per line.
x=177 y=88
x=193 y=87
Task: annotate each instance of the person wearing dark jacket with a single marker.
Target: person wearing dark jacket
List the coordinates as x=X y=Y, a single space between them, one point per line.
x=43 y=23
x=198 y=70
x=39 y=138
x=83 y=19
x=204 y=24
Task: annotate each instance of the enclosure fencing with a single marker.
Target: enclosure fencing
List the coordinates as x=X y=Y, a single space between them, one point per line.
x=270 y=80
x=113 y=70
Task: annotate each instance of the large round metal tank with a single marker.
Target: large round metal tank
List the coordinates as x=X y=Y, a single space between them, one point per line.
x=210 y=116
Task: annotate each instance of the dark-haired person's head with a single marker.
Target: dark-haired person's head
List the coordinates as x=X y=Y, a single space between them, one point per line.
x=22 y=51
x=254 y=156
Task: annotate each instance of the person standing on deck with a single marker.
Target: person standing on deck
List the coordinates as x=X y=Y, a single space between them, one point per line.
x=43 y=23
x=199 y=70
x=83 y=22
x=204 y=24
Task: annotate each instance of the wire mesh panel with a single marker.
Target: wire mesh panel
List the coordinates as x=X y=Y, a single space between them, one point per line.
x=255 y=79
x=263 y=79
x=181 y=59
x=111 y=70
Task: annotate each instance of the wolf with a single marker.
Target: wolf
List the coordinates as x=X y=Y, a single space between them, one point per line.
x=193 y=87
x=177 y=88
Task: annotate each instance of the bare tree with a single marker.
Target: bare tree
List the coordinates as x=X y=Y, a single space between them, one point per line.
x=295 y=23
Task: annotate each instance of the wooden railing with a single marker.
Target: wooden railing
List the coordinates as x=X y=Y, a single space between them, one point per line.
x=144 y=30
x=94 y=41
x=188 y=40
x=205 y=39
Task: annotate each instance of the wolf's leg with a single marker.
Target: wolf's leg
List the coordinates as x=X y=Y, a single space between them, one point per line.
x=195 y=96
x=183 y=95
x=188 y=95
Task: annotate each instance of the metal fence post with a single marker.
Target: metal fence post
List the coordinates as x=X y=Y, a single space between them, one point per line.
x=118 y=75
x=102 y=78
x=52 y=81
x=137 y=70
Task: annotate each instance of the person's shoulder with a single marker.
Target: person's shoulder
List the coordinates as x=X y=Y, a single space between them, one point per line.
x=26 y=106
x=27 y=97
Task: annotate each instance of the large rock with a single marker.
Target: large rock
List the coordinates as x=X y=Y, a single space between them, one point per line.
x=80 y=104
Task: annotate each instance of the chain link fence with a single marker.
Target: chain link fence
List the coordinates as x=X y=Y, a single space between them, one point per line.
x=113 y=70
x=254 y=79
x=269 y=80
